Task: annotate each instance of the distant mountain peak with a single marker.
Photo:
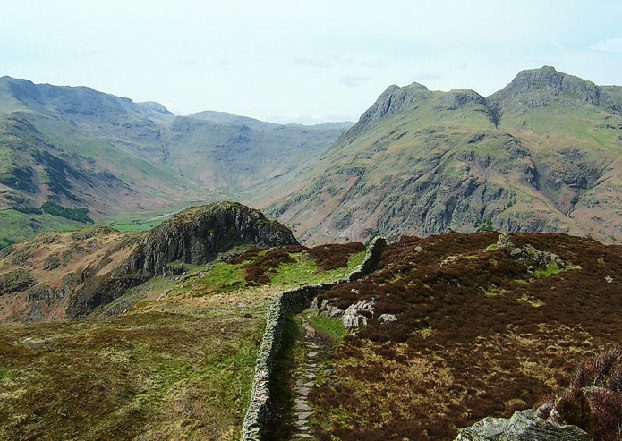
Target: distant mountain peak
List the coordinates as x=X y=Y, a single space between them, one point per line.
x=416 y=85
x=393 y=100
x=548 y=80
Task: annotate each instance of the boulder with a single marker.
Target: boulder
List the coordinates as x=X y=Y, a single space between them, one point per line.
x=522 y=426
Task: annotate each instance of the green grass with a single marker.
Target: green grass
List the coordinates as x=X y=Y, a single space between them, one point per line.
x=222 y=277
x=550 y=270
x=138 y=222
x=154 y=374
x=305 y=271
x=331 y=327
x=4 y=373
x=16 y=226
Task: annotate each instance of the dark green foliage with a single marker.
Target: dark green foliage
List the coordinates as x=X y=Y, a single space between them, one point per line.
x=484 y=225
x=494 y=112
x=28 y=210
x=76 y=214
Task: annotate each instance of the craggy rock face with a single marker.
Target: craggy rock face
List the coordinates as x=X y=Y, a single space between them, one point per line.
x=68 y=275
x=522 y=426
x=193 y=236
x=197 y=235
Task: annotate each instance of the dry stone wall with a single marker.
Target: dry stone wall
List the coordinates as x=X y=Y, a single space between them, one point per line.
x=280 y=305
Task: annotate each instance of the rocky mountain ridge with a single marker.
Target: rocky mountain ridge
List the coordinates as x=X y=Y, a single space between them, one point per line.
x=79 y=147
x=542 y=154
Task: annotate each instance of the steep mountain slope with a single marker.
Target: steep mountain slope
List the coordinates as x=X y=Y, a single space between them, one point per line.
x=543 y=154
x=237 y=154
x=82 y=148
x=44 y=158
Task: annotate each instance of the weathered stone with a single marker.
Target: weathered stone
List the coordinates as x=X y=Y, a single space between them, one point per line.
x=302 y=407
x=522 y=426
x=352 y=316
x=281 y=303
x=386 y=318
x=304 y=391
x=16 y=280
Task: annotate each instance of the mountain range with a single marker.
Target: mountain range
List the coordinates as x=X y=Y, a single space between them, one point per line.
x=542 y=154
x=80 y=147
x=156 y=335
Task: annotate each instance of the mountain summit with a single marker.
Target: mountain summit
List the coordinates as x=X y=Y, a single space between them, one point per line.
x=547 y=82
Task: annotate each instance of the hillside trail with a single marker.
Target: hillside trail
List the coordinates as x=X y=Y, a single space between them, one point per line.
x=317 y=347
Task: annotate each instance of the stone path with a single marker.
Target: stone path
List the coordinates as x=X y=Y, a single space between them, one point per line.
x=306 y=382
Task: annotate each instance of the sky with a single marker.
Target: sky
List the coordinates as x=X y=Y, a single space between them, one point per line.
x=304 y=61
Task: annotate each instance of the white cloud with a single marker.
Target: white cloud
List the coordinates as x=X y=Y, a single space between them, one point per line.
x=610 y=45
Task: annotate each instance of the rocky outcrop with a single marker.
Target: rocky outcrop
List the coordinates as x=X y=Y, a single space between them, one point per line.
x=522 y=426
x=531 y=257
x=197 y=235
x=393 y=100
x=552 y=82
x=194 y=236
x=282 y=303
x=17 y=280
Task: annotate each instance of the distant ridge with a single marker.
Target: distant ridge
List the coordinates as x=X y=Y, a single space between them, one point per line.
x=81 y=148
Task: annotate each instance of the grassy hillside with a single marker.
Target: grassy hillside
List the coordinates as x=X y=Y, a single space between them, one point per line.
x=82 y=148
x=16 y=226
x=171 y=359
x=45 y=159
x=421 y=161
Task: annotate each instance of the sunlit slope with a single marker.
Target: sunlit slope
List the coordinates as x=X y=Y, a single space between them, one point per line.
x=420 y=162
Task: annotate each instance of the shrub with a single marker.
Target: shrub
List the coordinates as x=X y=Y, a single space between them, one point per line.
x=76 y=214
x=328 y=257
x=594 y=400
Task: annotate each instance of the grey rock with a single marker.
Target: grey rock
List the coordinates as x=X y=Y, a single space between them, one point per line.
x=302 y=407
x=281 y=303
x=555 y=83
x=352 y=317
x=386 y=318
x=522 y=426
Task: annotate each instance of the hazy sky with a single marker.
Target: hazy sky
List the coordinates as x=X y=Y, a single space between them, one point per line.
x=302 y=60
